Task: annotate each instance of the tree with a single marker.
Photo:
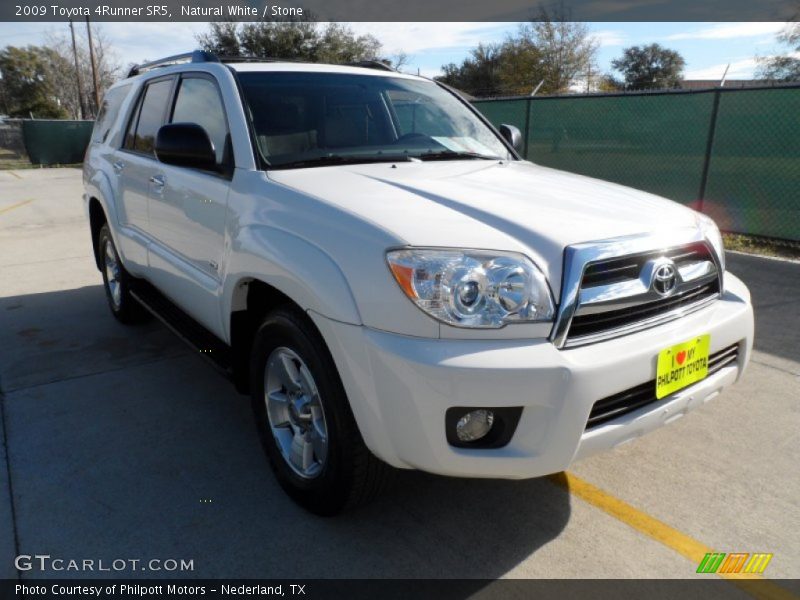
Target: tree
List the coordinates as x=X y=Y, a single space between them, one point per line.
x=293 y=40
x=567 y=51
x=221 y=39
x=399 y=60
x=784 y=67
x=65 y=81
x=340 y=44
x=650 y=67
x=519 y=67
x=28 y=82
x=609 y=83
x=551 y=50
x=478 y=74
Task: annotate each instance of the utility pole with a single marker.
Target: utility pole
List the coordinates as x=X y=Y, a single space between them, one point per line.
x=94 y=68
x=77 y=70
x=724 y=75
x=536 y=89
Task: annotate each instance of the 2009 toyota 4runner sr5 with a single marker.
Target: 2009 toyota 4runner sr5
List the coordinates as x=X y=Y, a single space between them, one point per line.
x=374 y=264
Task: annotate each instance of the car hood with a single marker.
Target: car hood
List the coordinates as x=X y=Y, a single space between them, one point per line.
x=514 y=206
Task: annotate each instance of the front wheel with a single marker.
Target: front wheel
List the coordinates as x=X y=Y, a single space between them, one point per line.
x=304 y=419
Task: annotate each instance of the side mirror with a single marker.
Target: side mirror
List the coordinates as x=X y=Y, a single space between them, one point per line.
x=512 y=135
x=186 y=145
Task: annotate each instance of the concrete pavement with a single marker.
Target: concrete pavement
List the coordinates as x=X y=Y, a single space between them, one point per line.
x=121 y=444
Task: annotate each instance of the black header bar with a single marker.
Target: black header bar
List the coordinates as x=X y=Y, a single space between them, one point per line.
x=397 y=10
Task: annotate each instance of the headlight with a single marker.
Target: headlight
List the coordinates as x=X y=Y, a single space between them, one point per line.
x=711 y=233
x=473 y=288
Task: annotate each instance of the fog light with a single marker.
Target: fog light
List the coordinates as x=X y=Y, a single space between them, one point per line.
x=474 y=425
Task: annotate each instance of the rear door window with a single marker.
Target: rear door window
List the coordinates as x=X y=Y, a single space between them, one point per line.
x=149 y=117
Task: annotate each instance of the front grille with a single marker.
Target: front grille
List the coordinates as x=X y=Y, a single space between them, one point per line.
x=616 y=297
x=617 y=270
x=636 y=397
x=583 y=325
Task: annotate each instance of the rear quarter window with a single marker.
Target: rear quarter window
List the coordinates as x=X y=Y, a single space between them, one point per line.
x=107 y=115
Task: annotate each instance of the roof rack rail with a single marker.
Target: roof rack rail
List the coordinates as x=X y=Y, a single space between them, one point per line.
x=250 y=58
x=371 y=64
x=367 y=64
x=198 y=56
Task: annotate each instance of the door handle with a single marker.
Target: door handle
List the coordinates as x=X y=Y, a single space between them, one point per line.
x=118 y=166
x=158 y=181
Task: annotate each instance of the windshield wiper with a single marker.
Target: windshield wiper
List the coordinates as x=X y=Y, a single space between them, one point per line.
x=339 y=159
x=455 y=155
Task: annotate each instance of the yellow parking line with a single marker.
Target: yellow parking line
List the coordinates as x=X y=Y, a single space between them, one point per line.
x=13 y=206
x=681 y=543
x=17 y=175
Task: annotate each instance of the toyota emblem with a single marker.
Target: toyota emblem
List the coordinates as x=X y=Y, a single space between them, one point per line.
x=664 y=278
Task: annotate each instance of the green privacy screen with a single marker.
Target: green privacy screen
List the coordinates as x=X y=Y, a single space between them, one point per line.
x=652 y=142
x=659 y=142
x=754 y=171
x=56 y=142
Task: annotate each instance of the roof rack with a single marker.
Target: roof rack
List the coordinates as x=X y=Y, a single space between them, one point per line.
x=232 y=59
x=366 y=64
x=200 y=56
x=371 y=64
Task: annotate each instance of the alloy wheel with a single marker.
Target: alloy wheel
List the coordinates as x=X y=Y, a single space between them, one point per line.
x=294 y=411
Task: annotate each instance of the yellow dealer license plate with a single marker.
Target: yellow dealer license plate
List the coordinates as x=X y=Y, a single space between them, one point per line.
x=682 y=365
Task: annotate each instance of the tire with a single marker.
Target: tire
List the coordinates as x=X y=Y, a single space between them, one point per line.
x=324 y=474
x=117 y=281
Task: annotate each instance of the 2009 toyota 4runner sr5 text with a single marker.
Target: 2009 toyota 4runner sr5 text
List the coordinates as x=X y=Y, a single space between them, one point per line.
x=369 y=259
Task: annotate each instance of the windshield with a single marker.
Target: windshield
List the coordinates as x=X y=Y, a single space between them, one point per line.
x=314 y=119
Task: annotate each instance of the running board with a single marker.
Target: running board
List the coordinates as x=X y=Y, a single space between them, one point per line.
x=205 y=343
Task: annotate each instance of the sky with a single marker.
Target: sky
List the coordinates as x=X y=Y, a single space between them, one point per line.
x=706 y=47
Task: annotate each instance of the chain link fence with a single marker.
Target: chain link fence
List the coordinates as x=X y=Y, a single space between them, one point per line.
x=732 y=153
x=12 y=145
x=43 y=142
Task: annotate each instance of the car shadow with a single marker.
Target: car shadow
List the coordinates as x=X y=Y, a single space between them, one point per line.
x=122 y=444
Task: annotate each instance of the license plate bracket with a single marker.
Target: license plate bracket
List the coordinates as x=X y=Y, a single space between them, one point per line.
x=682 y=365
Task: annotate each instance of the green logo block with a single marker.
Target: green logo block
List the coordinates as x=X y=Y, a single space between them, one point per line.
x=711 y=562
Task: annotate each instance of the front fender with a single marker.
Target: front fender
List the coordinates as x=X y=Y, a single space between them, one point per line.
x=295 y=267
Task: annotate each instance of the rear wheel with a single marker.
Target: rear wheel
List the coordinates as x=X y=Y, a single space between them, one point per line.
x=304 y=419
x=117 y=281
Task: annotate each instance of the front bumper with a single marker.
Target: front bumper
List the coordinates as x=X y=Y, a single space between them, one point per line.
x=400 y=388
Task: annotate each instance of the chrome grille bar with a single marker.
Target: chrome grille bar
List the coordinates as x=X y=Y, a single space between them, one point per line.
x=612 y=276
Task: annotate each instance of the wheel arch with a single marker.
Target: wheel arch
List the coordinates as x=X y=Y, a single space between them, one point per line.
x=251 y=301
x=270 y=267
x=100 y=209
x=290 y=266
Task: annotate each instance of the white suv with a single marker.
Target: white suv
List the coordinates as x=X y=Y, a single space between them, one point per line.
x=364 y=254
